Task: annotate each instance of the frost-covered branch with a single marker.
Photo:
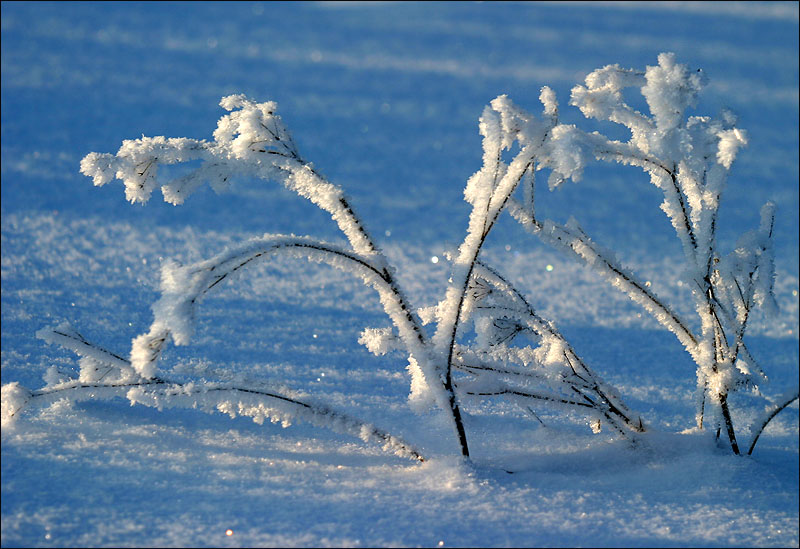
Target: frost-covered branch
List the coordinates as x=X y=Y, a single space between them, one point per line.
x=226 y=398
x=250 y=142
x=255 y=402
x=688 y=159
x=253 y=142
x=554 y=357
x=488 y=190
x=184 y=286
x=571 y=238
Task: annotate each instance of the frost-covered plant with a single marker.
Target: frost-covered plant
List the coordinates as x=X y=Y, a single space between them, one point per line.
x=687 y=159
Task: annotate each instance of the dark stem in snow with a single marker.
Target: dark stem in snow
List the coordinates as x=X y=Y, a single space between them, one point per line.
x=792 y=396
x=726 y=414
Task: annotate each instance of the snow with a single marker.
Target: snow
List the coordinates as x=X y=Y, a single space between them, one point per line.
x=384 y=99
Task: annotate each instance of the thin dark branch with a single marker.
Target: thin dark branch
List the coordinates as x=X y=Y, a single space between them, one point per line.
x=527 y=394
x=630 y=286
x=774 y=412
x=726 y=414
x=675 y=185
x=569 y=354
x=77 y=337
x=316 y=409
x=382 y=273
x=461 y=298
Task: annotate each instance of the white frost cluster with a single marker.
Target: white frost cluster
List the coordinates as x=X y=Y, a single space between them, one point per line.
x=379 y=341
x=137 y=161
x=240 y=141
x=14 y=399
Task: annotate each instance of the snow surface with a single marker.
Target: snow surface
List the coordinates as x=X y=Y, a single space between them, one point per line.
x=384 y=98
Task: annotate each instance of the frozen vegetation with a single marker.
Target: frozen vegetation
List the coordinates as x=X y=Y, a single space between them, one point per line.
x=532 y=386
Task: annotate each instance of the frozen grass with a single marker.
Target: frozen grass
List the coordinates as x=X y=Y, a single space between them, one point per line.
x=376 y=93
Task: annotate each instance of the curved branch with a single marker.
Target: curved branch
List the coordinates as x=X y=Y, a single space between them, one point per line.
x=622 y=279
x=72 y=340
x=790 y=397
x=266 y=161
x=653 y=164
x=447 y=330
x=198 y=279
x=589 y=380
x=316 y=413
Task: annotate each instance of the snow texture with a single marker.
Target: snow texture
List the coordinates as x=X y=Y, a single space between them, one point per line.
x=384 y=98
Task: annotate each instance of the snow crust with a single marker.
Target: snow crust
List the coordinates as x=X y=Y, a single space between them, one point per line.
x=384 y=99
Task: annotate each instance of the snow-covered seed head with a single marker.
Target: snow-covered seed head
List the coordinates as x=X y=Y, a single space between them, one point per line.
x=671 y=88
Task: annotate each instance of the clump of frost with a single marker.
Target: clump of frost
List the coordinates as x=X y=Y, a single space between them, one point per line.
x=379 y=341
x=14 y=399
